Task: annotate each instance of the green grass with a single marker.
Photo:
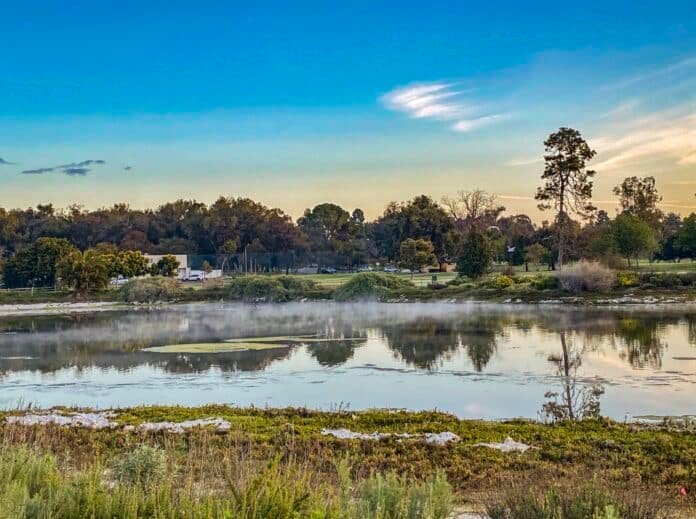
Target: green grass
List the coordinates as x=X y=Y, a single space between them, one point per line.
x=279 y=458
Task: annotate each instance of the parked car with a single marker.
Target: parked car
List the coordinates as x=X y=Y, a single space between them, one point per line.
x=405 y=271
x=194 y=277
x=117 y=282
x=364 y=268
x=328 y=270
x=391 y=270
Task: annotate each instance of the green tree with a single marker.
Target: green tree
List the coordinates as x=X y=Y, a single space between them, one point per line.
x=206 y=267
x=475 y=256
x=84 y=272
x=535 y=253
x=686 y=237
x=638 y=197
x=133 y=263
x=568 y=184
x=416 y=254
x=167 y=266
x=632 y=236
x=36 y=264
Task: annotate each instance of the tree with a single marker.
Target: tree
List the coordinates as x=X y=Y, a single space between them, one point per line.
x=416 y=254
x=168 y=266
x=133 y=263
x=686 y=238
x=568 y=184
x=206 y=267
x=632 y=236
x=535 y=253
x=36 y=264
x=84 y=272
x=476 y=208
x=639 y=197
x=476 y=255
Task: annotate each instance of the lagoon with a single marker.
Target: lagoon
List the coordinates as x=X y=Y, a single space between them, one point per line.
x=486 y=361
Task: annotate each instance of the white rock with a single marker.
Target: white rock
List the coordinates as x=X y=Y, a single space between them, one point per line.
x=509 y=445
x=87 y=420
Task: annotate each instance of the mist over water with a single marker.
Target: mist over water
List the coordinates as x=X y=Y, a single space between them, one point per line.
x=484 y=361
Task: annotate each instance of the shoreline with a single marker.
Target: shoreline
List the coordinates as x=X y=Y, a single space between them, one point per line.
x=540 y=300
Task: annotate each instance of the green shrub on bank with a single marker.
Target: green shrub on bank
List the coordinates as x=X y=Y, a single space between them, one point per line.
x=544 y=282
x=258 y=288
x=150 y=290
x=667 y=280
x=370 y=286
x=270 y=288
x=143 y=466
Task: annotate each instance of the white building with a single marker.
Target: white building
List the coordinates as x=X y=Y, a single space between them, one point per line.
x=183 y=269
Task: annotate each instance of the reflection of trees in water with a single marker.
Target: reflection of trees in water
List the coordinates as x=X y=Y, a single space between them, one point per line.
x=423 y=336
x=425 y=343
x=575 y=400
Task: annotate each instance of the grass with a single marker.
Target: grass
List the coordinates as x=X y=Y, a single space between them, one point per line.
x=277 y=462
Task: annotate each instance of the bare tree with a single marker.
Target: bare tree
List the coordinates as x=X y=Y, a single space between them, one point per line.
x=476 y=208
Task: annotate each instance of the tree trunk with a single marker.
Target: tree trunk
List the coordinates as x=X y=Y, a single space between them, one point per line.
x=566 y=381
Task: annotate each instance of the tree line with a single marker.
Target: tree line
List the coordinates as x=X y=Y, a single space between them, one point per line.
x=470 y=227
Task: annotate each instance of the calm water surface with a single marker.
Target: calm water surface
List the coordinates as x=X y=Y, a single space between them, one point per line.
x=490 y=361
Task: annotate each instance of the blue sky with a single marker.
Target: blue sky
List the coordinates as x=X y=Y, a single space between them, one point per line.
x=295 y=103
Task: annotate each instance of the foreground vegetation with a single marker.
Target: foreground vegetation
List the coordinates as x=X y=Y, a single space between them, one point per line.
x=276 y=463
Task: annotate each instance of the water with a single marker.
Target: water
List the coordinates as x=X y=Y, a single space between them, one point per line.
x=479 y=361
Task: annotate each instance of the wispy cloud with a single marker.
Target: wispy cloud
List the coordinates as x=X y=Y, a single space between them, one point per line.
x=37 y=171
x=4 y=162
x=524 y=161
x=443 y=102
x=74 y=169
x=665 y=136
x=684 y=64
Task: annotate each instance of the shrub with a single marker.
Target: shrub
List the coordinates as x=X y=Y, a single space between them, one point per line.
x=296 y=285
x=544 y=282
x=586 y=276
x=501 y=282
x=143 y=466
x=563 y=501
x=391 y=496
x=627 y=279
x=667 y=280
x=370 y=286
x=258 y=288
x=150 y=290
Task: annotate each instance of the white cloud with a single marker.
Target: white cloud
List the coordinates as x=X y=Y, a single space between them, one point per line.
x=524 y=161
x=439 y=101
x=466 y=125
x=662 y=136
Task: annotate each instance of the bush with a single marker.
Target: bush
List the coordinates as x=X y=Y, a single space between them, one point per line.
x=258 y=288
x=627 y=279
x=143 y=466
x=370 y=286
x=586 y=276
x=150 y=290
x=590 y=501
x=667 y=280
x=390 y=497
x=544 y=282
x=501 y=282
x=296 y=285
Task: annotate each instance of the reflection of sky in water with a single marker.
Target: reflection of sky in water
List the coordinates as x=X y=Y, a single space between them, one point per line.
x=487 y=361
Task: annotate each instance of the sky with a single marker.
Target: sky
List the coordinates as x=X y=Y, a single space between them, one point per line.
x=358 y=103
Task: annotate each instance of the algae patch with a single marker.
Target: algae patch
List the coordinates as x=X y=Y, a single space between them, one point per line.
x=215 y=347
